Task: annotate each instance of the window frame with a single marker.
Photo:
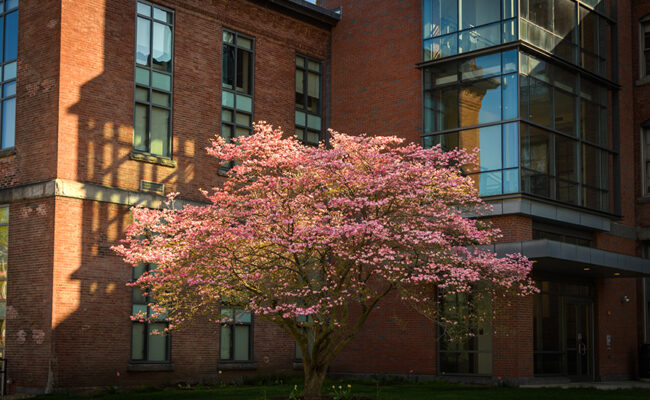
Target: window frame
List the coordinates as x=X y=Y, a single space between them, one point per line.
x=644 y=74
x=319 y=112
x=231 y=325
x=167 y=335
x=645 y=159
x=4 y=12
x=150 y=69
x=233 y=123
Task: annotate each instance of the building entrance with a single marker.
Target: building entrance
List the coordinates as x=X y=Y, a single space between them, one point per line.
x=563 y=330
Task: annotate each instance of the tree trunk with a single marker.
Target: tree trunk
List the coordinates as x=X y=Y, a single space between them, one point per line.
x=314 y=377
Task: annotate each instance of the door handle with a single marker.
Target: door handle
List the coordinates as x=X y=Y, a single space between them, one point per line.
x=582 y=349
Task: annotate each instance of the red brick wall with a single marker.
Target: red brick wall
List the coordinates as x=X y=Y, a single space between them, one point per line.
x=29 y=292
x=514 y=228
x=513 y=337
x=394 y=340
x=618 y=319
x=37 y=96
x=376 y=87
x=97 y=62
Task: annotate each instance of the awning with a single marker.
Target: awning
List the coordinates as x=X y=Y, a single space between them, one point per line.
x=571 y=259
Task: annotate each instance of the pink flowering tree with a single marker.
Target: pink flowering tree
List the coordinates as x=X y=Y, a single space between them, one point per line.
x=312 y=239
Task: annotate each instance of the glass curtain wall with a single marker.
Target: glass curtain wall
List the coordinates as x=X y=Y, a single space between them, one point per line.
x=459 y=26
x=578 y=32
x=541 y=129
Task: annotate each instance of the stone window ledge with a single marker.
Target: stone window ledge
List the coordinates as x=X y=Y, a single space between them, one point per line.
x=237 y=366
x=151 y=367
x=151 y=159
x=7 y=152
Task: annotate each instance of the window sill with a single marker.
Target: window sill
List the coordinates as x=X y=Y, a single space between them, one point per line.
x=236 y=365
x=7 y=152
x=148 y=158
x=151 y=367
x=643 y=81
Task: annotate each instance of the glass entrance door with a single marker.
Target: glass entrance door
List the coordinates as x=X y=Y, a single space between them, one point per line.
x=579 y=341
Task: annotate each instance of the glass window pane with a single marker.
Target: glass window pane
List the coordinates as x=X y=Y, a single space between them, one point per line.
x=242 y=132
x=140 y=127
x=540 y=103
x=161 y=99
x=313 y=92
x=142 y=51
x=445 y=109
x=300 y=62
x=224 y=342
x=11 y=36
x=4 y=215
x=138 y=296
x=226 y=132
x=157 y=343
x=313 y=122
x=159 y=138
x=142 y=94
x=162 y=15
x=589 y=121
x=244 y=43
x=8 y=123
x=137 y=341
x=243 y=119
x=440 y=47
x=313 y=66
x=490 y=183
x=228 y=37
x=510 y=101
x=509 y=9
x=479 y=38
x=540 y=12
x=566 y=158
x=11 y=4
x=441 y=17
x=228 y=67
x=244 y=71
x=479 y=12
x=564 y=14
x=588 y=30
x=481 y=67
x=490 y=145
x=9 y=71
x=144 y=9
x=300 y=134
x=226 y=115
x=142 y=76
x=161 y=81
x=140 y=310
x=300 y=118
x=510 y=145
x=509 y=31
x=244 y=103
x=227 y=99
x=565 y=110
x=243 y=316
x=312 y=137
x=162 y=47
x=510 y=181
x=241 y=350
x=480 y=102
x=300 y=90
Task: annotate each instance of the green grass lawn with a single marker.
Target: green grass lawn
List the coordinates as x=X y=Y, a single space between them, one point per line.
x=403 y=391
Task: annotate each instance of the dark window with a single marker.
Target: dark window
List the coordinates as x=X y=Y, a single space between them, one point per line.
x=8 y=69
x=237 y=85
x=645 y=47
x=149 y=341
x=236 y=336
x=153 y=80
x=471 y=354
x=308 y=100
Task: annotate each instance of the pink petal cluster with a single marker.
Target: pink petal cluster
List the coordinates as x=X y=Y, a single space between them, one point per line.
x=307 y=231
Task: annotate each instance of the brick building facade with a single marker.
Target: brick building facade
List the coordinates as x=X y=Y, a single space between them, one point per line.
x=113 y=98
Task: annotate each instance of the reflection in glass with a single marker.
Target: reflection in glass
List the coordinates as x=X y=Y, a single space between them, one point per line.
x=162 y=47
